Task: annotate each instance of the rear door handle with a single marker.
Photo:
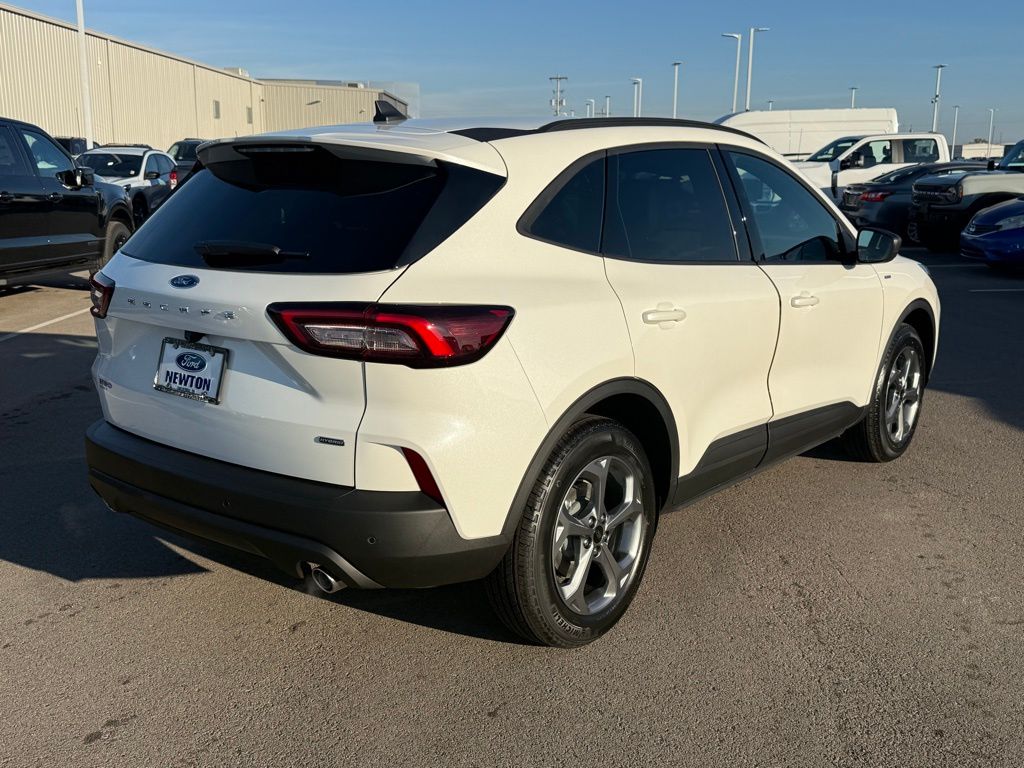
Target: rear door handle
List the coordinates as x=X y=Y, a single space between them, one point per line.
x=804 y=300
x=55 y=197
x=664 y=315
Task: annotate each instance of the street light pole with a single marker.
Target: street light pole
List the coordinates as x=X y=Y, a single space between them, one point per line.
x=638 y=96
x=675 y=86
x=607 y=106
x=770 y=105
x=956 y=117
x=853 y=97
x=750 y=61
x=83 y=70
x=736 y=80
x=938 y=92
x=591 y=107
x=991 y=125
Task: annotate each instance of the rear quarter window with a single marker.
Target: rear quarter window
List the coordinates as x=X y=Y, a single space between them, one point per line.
x=330 y=215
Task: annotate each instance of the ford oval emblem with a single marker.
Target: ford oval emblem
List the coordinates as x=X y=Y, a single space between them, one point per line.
x=191 y=362
x=184 y=281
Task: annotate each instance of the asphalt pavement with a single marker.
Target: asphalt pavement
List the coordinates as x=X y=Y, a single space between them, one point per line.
x=822 y=613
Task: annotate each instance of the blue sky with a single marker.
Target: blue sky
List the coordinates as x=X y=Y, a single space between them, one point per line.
x=495 y=58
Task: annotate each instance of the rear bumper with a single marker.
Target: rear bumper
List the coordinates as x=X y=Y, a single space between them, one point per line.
x=363 y=538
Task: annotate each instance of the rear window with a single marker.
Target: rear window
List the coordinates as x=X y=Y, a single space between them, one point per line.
x=321 y=213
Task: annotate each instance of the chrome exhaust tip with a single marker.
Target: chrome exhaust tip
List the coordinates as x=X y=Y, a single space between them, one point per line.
x=323 y=580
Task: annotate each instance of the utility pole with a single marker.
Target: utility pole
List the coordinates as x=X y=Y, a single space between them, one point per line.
x=736 y=79
x=750 y=61
x=938 y=93
x=83 y=70
x=853 y=97
x=607 y=106
x=956 y=117
x=638 y=96
x=558 y=101
x=675 y=86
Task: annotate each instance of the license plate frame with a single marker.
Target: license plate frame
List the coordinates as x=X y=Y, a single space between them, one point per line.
x=215 y=356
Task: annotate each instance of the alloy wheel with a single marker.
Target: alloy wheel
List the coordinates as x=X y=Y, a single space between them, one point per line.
x=903 y=395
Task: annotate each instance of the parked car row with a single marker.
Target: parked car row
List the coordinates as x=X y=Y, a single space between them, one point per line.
x=66 y=207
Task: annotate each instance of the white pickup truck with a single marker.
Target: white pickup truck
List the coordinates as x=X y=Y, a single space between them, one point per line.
x=853 y=159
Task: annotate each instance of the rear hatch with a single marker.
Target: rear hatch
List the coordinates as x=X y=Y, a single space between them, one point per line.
x=188 y=355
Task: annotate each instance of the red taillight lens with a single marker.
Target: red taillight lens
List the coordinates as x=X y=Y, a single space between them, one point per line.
x=101 y=291
x=873 y=197
x=172 y=180
x=421 y=472
x=420 y=336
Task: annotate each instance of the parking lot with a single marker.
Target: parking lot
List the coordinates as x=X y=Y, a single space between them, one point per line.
x=822 y=613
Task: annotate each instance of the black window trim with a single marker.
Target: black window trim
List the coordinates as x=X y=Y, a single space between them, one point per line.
x=842 y=235
x=742 y=246
x=18 y=147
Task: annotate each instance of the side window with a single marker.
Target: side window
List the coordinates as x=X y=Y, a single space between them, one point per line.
x=11 y=163
x=49 y=159
x=164 y=164
x=876 y=153
x=152 y=164
x=174 y=150
x=792 y=223
x=920 y=151
x=667 y=205
x=573 y=216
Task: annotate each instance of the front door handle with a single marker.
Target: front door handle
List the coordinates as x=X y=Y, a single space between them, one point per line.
x=55 y=197
x=665 y=315
x=804 y=300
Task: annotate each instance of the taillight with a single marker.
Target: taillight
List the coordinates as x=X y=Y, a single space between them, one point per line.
x=873 y=197
x=101 y=291
x=419 y=336
x=172 y=180
x=424 y=479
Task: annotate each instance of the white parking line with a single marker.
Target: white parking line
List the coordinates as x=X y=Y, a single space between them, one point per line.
x=981 y=290
x=43 y=325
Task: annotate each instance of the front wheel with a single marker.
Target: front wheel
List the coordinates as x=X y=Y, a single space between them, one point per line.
x=579 y=553
x=889 y=425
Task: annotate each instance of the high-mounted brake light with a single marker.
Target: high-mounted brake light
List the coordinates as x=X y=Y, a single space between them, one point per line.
x=873 y=197
x=101 y=291
x=419 y=336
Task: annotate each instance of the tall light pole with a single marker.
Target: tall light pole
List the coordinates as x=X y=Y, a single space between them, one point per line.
x=750 y=61
x=853 y=97
x=558 y=102
x=638 y=96
x=956 y=117
x=771 y=104
x=83 y=70
x=938 y=93
x=591 y=107
x=991 y=125
x=607 y=106
x=675 y=86
x=736 y=80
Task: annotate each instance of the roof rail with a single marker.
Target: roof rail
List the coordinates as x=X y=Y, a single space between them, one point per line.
x=124 y=144
x=576 y=123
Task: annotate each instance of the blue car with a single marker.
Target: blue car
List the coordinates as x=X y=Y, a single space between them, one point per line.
x=996 y=235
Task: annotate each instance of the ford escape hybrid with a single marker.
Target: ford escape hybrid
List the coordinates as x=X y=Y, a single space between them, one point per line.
x=406 y=354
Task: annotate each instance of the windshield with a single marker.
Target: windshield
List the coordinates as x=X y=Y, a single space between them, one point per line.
x=110 y=165
x=1014 y=158
x=833 y=150
x=183 y=151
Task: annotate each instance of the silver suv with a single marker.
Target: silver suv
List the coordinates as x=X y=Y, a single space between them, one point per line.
x=148 y=175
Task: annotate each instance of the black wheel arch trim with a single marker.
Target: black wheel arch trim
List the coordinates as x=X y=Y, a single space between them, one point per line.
x=581 y=406
x=930 y=349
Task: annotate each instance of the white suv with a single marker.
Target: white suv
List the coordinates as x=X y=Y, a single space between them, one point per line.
x=410 y=354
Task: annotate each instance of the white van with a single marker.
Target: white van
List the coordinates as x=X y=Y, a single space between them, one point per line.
x=796 y=133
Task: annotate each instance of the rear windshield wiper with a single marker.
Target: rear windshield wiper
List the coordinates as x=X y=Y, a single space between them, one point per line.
x=240 y=253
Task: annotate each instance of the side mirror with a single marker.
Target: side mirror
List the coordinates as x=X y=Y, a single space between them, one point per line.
x=151 y=175
x=877 y=246
x=76 y=178
x=991 y=165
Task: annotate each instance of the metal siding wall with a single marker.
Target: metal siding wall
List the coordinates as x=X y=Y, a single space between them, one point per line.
x=143 y=96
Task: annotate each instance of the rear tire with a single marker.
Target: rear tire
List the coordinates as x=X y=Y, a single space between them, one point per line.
x=579 y=553
x=117 y=235
x=893 y=414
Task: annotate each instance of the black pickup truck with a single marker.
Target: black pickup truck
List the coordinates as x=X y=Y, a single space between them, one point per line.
x=54 y=215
